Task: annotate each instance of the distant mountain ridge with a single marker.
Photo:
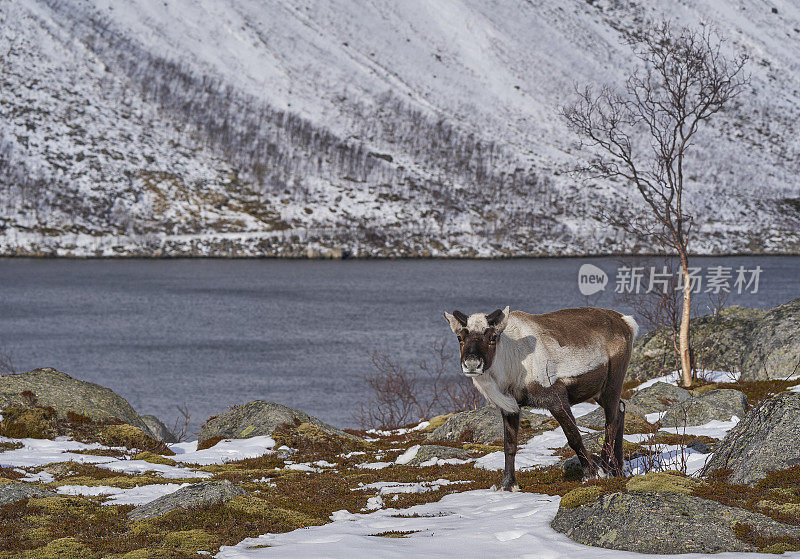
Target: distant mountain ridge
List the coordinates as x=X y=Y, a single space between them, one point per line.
x=240 y=128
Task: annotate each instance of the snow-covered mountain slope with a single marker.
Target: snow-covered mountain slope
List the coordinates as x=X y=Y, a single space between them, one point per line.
x=243 y=127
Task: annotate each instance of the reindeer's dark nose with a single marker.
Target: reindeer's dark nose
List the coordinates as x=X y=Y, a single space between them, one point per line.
x=472 y=365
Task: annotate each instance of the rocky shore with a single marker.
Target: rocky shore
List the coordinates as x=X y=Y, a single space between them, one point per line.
x=711 y=468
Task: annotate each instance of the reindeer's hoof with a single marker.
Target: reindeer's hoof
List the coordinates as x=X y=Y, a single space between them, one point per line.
x=511 y=486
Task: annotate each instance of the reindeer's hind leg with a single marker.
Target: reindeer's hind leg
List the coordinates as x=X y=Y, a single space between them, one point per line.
x=611 y=458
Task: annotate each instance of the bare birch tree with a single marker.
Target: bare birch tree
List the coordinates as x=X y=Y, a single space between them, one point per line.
x=640 y=134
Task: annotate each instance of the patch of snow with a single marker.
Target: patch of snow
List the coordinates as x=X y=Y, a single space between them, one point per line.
x=374 y=503
x=374 y=465
x=354 y=453
x=139 y=467
x=226 y=450
x=715 y=429
x=139 y=495
x=536 y=452
x=669 y=457
x=40 y=452
x=655 y=417
x=39 y=477
x=469 y=524
x=394 y=487
x=303 y=468
x=435 y=461
x=408 y=455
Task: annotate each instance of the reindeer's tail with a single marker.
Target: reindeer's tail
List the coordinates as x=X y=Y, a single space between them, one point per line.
x=632 y=325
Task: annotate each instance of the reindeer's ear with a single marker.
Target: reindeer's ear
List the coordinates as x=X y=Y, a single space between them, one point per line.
x=457 y=320
x=498 y=319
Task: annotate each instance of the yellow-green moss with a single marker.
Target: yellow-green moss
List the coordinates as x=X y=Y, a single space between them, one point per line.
x=664 y=482
x=485 y=448
x=436 y=422
x=789 y=509
x=580 y=496
x=130 y=437
x=248 y=504
x=123 y=482
x=61 y=505
x=63 y=548
x=35 y=423
x=154 y=458
x=191 y=540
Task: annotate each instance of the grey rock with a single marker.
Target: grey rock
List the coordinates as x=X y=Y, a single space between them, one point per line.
x=158 y=429
x=668 y=523
x=64 y=393
x=428 y=451
x=773 y=345
x=16 y=491
x=260 y=418
x=720 y=404
x=658 y=397
x=765 y=439
x=762 y=345
x=597 y=419
x=199 y=494
x=718 y=342
x=700 y=447
x=572 y=468
x=484 y=425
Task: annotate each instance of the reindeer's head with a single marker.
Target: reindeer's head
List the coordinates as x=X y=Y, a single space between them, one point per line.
x=478 y=336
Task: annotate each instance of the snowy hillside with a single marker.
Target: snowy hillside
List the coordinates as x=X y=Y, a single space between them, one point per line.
x=243 y=127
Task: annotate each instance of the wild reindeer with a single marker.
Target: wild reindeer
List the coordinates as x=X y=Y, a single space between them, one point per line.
x=550 y=361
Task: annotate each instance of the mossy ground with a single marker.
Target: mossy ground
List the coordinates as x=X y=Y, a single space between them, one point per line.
x=280 y=499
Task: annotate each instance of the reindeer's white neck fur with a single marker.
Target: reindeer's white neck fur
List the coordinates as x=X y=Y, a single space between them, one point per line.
x=513 y=362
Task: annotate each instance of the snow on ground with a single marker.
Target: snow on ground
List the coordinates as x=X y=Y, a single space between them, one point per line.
x=393 y=487
x=469 y=524
x=536 y=452
x=225 y=450
x=715 y=429
x=669 y=457
x=139 y=495
x=40 y=452
x=709 y=376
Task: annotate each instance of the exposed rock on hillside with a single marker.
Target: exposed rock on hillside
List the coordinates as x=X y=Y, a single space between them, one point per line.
x=760 y=344
x=661 y=522
x=720 y=404
x=426 y=452
x=484 y=425
x=260 y=418
x=773 y=346
x=160 y=431
x=766 y=439
x=658 y=397
x=16 y=491
x=199 y=494
x=50 y=388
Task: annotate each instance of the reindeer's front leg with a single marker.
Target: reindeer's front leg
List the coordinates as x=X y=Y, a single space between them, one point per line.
x=510 y=437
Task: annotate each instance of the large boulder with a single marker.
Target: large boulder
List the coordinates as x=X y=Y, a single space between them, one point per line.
x=260 y=418
x=765 y=439
x=160 y=431
x=484 y=425
x=658 y=397
x=16 y=491
x=197 y=495
x=57 y=390
x=761 y=344
x=773 y=345
x=720 y=404
x=428 y=451
x=660 y=522
x=718 y=342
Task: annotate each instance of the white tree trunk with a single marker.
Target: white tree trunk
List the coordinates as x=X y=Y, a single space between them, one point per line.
x=685 y=353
